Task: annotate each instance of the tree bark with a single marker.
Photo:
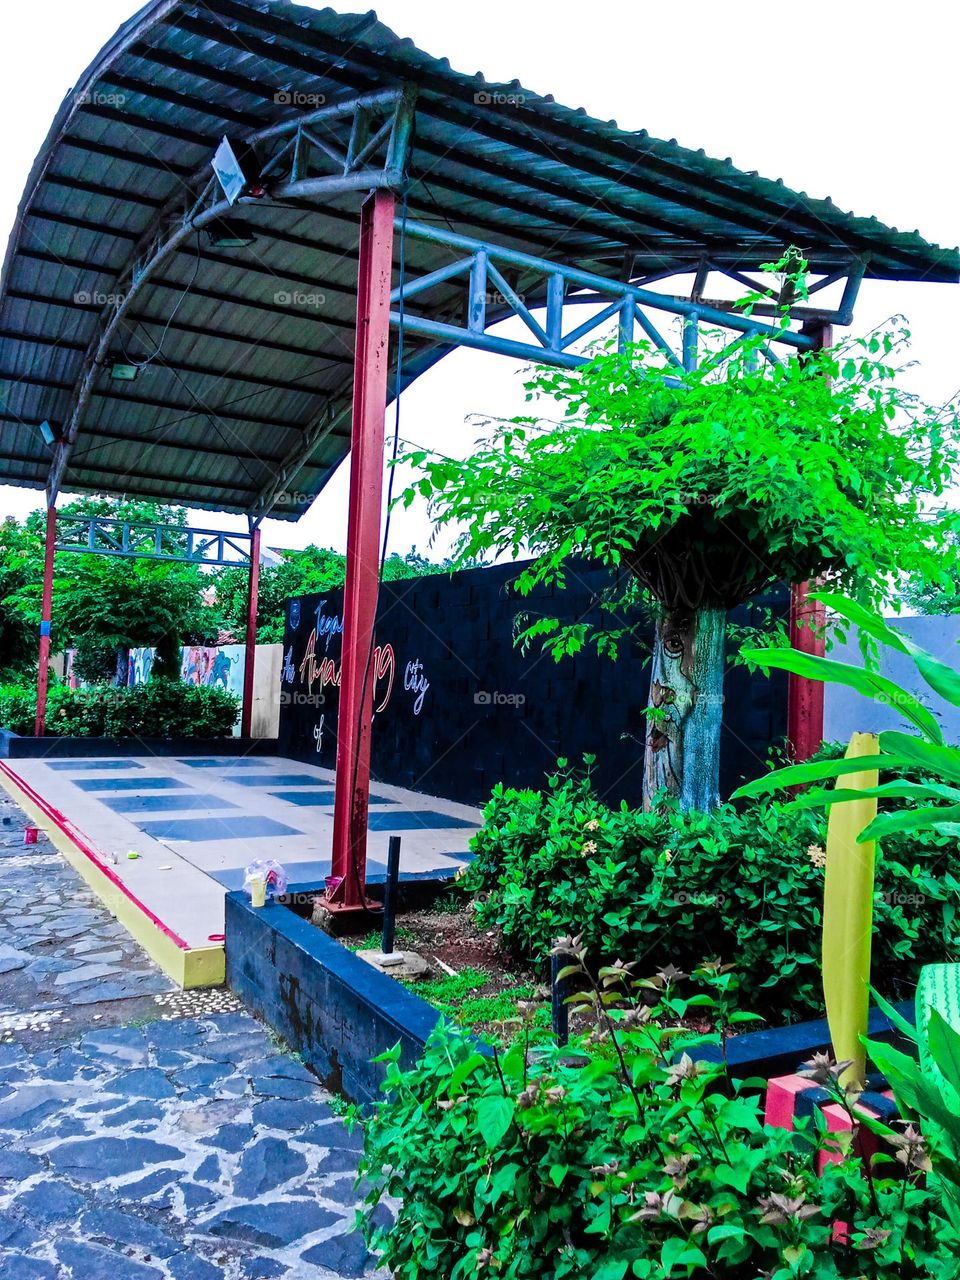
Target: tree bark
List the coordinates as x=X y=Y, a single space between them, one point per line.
x=122 y=672
x=682 y=747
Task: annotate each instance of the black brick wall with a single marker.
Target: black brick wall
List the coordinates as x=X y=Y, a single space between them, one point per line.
x=459 y=628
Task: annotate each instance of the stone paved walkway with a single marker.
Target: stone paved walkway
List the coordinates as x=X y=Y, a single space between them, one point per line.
x=145 y=1133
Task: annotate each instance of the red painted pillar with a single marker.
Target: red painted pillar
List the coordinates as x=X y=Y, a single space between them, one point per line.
x=807 y=618
x=355 y=715
x=805 y=697
x=250 y=648
x=46 y=614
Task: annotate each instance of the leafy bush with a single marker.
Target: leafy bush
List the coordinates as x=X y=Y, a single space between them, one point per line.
x=18 y=708
x=612 y=1160
x=745 y=885
x=157 y=709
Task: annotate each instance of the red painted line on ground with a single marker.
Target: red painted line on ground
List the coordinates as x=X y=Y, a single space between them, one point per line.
x=83 y=844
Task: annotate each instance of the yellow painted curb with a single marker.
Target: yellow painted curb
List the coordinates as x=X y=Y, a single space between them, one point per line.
x=188 y=966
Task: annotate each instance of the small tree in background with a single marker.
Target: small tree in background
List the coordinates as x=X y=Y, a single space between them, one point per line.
x=106 y=605
x=299 y=573
x=19 y=549
x=700 y=491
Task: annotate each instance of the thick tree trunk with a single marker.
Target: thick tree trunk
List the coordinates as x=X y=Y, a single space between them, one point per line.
x=122 y=672
x=682 y=751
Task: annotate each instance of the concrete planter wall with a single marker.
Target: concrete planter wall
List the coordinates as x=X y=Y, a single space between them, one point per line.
x=340 y=1013
x=329 y=1006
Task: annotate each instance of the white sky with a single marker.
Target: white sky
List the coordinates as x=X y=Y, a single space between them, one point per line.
x=856 y=100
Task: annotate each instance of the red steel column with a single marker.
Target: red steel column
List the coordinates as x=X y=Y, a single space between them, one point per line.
x=355 y=714
x=250 y=648
x=46 y=613
x=805 y=697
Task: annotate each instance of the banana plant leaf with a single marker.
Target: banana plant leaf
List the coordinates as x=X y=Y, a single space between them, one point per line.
x=869 y=683
x=848 y=915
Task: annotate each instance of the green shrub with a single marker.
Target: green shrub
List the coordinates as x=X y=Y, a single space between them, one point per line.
x=171 y=709
x=626 y=1155
x=18 y=708
x=745 y=885
x=157 y=709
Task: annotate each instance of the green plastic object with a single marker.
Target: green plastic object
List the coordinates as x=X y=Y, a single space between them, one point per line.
x=938 y=988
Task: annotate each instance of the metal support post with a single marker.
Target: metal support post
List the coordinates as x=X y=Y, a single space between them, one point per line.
x=355 y=714
x=46 y=614
x=250 y=646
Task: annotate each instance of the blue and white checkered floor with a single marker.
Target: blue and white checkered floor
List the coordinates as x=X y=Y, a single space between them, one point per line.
x=196 y=823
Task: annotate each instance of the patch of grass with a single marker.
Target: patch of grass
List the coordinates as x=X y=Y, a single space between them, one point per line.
x=454 y=996
x=451 y=901
x=500 y=1007
x=447 y=993
x=371 y=941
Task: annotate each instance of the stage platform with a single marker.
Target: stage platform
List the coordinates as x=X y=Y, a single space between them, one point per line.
x=195 y=823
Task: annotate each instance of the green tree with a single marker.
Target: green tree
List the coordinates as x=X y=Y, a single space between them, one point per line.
x=701 y=490
x=106 y=604
x=19 y=549
x=933 y=597
x=300 y=573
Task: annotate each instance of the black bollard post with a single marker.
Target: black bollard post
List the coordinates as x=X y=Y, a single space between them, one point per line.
x=390 y=896
x=558 y=991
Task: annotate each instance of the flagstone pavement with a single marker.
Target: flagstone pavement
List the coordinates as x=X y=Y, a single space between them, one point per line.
x=148 y=1133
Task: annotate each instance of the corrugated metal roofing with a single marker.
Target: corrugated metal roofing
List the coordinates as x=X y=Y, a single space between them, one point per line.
x=243 y=375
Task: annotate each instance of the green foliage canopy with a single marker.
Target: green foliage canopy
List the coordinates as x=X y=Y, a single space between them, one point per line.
x=710 y=487
x=745 y=884
x=103 y=603
x=312 y=570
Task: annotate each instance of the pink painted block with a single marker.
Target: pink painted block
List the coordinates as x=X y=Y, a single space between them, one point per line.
x=781 y=1101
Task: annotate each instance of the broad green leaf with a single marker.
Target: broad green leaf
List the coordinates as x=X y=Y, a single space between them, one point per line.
x=944 y=1045
x=868 y=683
x=888 y=790
x=915 y=1091
x=464 y=1070
x=679 y=1252
x=799 y=775
x=941 y=678
x=494 y=1117
x=931 y=757
x=922 y=819
x=863 y=618
x=895 y=1018
x=611 y=1269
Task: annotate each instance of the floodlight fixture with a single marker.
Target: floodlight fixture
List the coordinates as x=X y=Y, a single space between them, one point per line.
x=226 y=233
x=50 y=432
x=236 y=169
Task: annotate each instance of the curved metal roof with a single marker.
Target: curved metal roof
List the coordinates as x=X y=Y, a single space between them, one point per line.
x=242 y=381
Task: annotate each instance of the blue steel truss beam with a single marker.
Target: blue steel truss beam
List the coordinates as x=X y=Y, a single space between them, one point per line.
x=132 y=539
x=562 y=286
x=373 y=156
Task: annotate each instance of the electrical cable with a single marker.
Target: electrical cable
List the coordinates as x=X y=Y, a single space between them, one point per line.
x=158 y=346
